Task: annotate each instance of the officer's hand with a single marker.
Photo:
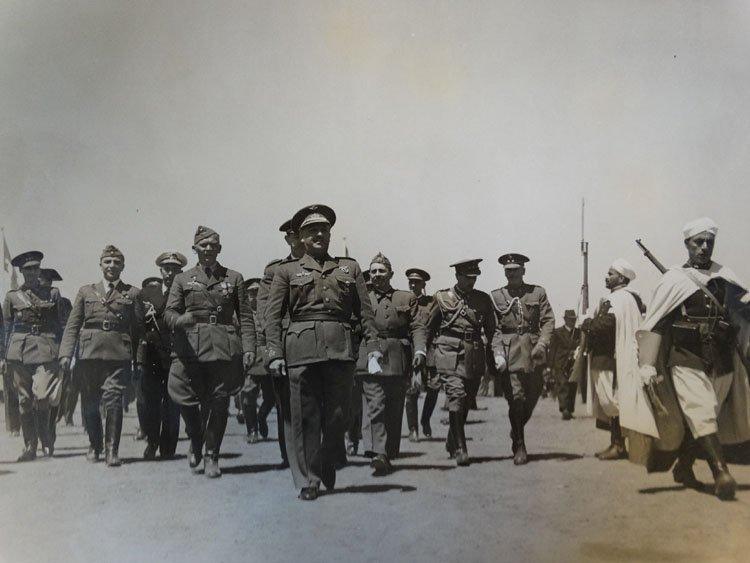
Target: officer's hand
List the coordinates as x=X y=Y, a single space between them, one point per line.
x=416 y=382
x=500 y=363
x=248 y=358
x=64 y=365
x=419 y=361
x=538 y=355
x=185 y=320
x=278 y=367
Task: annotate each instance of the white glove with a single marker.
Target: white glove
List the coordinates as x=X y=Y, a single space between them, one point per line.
x=373 y=366
x=500 y=363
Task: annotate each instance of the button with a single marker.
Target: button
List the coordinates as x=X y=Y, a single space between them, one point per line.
x=325 y=287
x=327 y=299
x=323 y=276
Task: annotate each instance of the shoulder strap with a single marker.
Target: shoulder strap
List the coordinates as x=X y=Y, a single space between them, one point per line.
x=705 y=290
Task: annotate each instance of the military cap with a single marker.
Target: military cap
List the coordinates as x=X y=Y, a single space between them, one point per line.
x=570 y=314
x=50 y=274
x=417 y=274
x=152 y=280
x=286 y=226
x=311 y=214
x=111 y=251
x=202 y=233
x=468 y=267
x=512 y=260
x=171 y=257
x=27 y=259
x=252 y=283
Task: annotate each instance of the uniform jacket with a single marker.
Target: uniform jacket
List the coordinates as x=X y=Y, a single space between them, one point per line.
x=34 y=320
x=424 y=304
x=214 y=303
x=322 y=300
x=105 y=328
x=524 y=318
x=263 y=291
x=156 y=345
x=259 y=364
x=400 y=326
x=562 y=345
x=458 y=326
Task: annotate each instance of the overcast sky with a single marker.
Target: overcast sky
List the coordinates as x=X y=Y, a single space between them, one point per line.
x=436 y=130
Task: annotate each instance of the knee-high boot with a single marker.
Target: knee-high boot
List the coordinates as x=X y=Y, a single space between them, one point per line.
x=215 y=427
x=113 y=430
x=30 y=438
x=194 y=429
x=724 y=484
x=430 y=399
x=412 y=416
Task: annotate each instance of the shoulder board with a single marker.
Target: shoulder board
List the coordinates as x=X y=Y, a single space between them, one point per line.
x=346 y=259
x=274 y=262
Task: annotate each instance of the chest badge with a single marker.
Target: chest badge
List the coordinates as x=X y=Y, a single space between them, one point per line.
x=344 y=269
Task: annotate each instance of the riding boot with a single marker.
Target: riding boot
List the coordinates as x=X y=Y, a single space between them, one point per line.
x=430 y=399
x=215 y=427
x=412 y=417
x=450 y=440
x=683 y=469
x=616 y=449
x=41 y=419
x=30 y=438
x=194 y=430
x=113 y=430
x=462 y=456
x=724 y=484
x=519 y=456
x=251 y=419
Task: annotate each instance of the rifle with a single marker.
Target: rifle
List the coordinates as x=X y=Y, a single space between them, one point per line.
x=651 y=257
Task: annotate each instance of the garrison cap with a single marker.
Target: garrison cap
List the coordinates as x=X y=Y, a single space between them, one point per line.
x=252 y=283
x=202 y=233
x=570 y=314
x=512 y=260
x=311 y=214
x=153 y=280
x=286 y=226
x=468 y=267
x=417 y=274
x=111 y=251
x=171 y=257
x=50 y=274
x=27 y=259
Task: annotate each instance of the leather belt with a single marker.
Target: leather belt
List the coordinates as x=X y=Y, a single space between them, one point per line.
x=212 y=319
x=467 y=335
x=519 y=330
x=319 y=317
x=105 y=325
x=24 y=328
x=390 y=334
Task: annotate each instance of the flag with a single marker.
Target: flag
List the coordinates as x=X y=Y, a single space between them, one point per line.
x=10 y=280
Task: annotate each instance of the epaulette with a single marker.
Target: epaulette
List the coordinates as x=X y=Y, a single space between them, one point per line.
x=345 y=258
x=274 y=262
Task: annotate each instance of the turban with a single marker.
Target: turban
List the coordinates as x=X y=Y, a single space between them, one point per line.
x=697 y=226
x=623 y=267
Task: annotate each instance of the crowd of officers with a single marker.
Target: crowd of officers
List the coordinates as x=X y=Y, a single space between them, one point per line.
x=338 y=352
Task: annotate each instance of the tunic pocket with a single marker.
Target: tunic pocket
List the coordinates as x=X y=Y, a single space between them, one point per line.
x=301 y=343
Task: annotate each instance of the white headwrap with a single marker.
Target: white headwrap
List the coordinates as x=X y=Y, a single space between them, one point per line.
x=704 y=224
x=623 y=266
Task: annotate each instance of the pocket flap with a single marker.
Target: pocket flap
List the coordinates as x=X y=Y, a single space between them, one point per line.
x=300 y=327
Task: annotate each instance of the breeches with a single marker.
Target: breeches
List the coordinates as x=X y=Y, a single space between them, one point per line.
x=700 y=398
x=606 y=393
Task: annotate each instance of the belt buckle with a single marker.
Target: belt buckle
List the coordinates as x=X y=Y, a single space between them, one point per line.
x=106 y=325
x=34 y=330
x=212 y=319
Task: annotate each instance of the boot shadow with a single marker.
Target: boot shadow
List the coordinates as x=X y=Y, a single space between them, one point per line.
x=376 y=488
x=705 y=488
x=413 y=467
x=249 y=469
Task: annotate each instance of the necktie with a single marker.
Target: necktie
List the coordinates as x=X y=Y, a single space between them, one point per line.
x=111 y=289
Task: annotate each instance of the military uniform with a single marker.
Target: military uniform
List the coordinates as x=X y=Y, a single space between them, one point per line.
x=429 y=376
x=33 y=318
x=400 y=327
x=207 y=355
x=103 y=329
x=457 y=323
x=525 y=322
x=10 y=397
x=161 y=415
x=321 y=298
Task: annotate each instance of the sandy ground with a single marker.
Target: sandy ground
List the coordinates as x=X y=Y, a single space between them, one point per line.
x=565 y=505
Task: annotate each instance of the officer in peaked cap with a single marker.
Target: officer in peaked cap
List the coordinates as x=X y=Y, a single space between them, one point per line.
x=427 y=377
x=524 y=329
x=151 y=281
x=323 y=296
x=103 y=329
x=159 y=413
x=461 y=321
x=33 y=318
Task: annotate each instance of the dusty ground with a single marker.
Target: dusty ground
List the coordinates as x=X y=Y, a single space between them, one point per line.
x=563 y=506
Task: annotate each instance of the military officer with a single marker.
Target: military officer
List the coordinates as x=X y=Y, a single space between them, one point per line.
x=105 y=324
x=525 y=322
x=321 y=294
x=161 y=415
x=426 y=377
x=458 y=320
x=258 y=380
x=32 y=316
x=208 y=353
x=401 y=329
x=563 y=344
x=280 y=381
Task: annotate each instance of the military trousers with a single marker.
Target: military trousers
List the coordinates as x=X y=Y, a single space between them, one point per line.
x=103 y=384
x=385 y=397
x=161 y=416
x=10 y=402
x=319 y=395
x=566 y=395
x=522 y=391
x=354 y=417
x=457 y=391
x=34 y=413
